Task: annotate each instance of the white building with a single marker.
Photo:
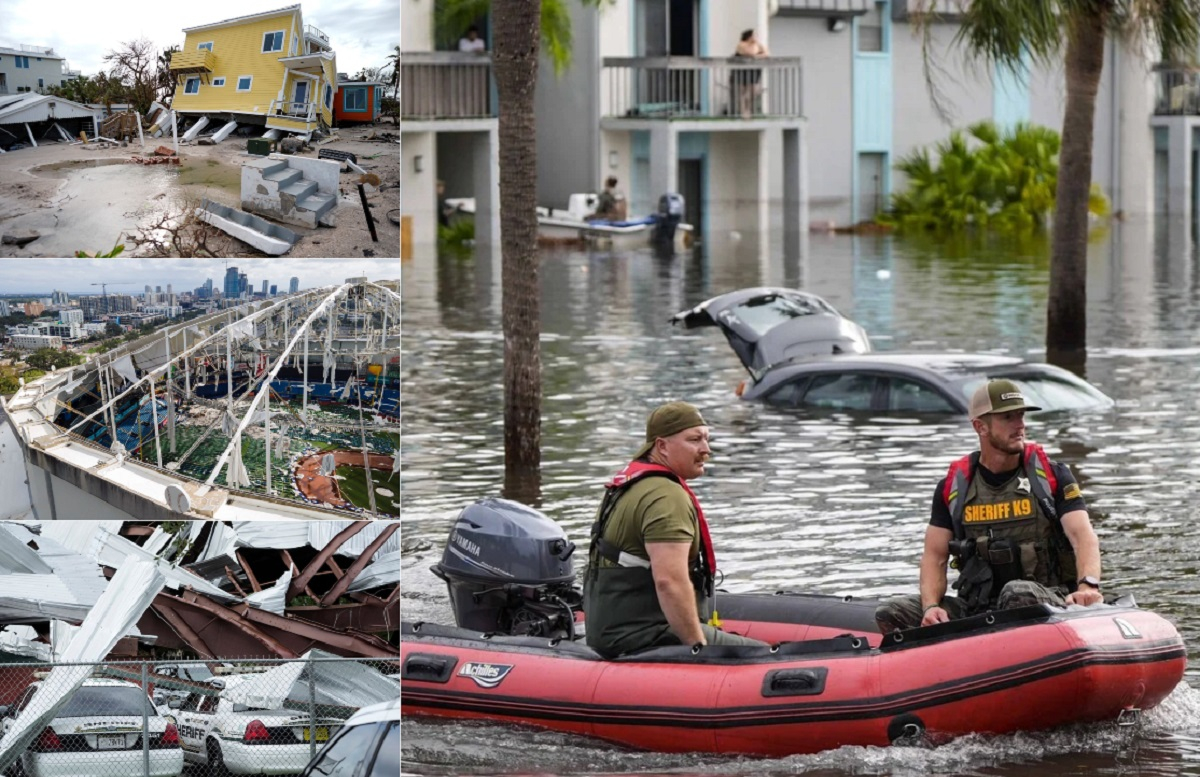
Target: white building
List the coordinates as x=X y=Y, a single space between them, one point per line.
x=71 y=315
x=26 y=342
x=32 y=69
x=69 y=332
x=168 y=311
x=448 y=129
x=95 y=328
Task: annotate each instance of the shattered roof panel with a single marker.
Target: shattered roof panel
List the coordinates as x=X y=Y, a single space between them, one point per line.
x=67 y=589
x=291 y=534
x=384 y=570
x=34 y=107
x=336 y=681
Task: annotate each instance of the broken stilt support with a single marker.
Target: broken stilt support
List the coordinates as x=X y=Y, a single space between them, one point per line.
x=31 y=140
x=362 y=195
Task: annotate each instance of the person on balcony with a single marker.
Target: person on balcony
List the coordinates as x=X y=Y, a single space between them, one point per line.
x=471 y=42
x=747 y=84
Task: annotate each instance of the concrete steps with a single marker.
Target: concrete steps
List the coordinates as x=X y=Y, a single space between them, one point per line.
x=295 y=190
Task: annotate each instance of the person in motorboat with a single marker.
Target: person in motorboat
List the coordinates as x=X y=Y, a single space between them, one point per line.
x=610 y=204
x=1015 y=522
x=650 y=575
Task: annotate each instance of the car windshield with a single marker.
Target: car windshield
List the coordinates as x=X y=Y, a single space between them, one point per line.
x=762 y=314
x=107 y=700
x=1048 y=392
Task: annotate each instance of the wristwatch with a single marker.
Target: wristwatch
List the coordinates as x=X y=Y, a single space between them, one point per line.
x=1089 y=580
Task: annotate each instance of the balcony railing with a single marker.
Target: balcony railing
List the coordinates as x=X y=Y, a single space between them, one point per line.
x=293 y=110
x=198 y=61
x=1178 y=92
x=313 y=32
x=702 y=88
x=445 y=85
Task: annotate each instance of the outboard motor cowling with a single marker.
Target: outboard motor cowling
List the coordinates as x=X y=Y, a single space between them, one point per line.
x=670 y=214
x=509 y=570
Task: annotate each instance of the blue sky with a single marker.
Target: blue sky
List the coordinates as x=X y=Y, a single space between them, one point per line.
x=362 y=32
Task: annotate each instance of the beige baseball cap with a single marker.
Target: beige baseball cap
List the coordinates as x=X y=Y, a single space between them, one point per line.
x=997 y=396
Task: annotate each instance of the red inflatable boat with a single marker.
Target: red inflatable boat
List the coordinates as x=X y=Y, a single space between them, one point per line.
x=831 y=680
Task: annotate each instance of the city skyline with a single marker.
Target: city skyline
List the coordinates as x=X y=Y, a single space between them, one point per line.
x=131 y=276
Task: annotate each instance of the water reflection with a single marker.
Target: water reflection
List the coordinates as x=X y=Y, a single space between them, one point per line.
x=832 y=503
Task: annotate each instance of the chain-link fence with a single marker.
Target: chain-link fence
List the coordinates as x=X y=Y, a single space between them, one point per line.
x=167 y=718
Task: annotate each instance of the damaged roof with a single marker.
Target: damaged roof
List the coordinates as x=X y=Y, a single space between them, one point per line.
x=41 y=579
x=31 y=107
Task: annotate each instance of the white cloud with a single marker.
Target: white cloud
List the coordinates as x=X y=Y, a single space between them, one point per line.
x=362 y=32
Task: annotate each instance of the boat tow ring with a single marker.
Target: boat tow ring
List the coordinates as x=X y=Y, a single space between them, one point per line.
x=906 y=729
x=1130 y=716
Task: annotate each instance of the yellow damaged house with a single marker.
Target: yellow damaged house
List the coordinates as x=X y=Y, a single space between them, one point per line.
x=266 y=69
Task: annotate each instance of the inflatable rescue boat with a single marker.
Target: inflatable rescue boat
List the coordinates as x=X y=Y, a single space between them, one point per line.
x=829 y=678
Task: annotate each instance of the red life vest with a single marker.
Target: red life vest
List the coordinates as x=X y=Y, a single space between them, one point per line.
x=638 y=469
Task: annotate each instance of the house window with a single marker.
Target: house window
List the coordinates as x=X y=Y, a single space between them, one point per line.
x=41 y=83
x=205 y=46
x=64 y=82
x=22 y=62
x=328 y=96
x=244 y=83
x=870 y=30
x=219 y=81
x=191 y=86
x=355 y=100
x=273 y=41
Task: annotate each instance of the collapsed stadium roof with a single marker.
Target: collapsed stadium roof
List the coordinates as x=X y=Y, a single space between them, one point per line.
x=286 y=408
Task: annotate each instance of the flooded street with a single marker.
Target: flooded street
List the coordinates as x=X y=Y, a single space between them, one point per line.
x=827 y=503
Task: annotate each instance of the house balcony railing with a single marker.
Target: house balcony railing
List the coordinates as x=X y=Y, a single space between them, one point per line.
x=446 y=85
x=317 y=35
x=1178 y=91
x=294 y=110
x=701 y=88
x=198 y=61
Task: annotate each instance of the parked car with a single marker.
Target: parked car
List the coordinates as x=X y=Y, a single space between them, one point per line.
x=767 y=326
x=883 y=382
x=368 y=745
x=233 y=738
x=99 y=732
x=190 y=672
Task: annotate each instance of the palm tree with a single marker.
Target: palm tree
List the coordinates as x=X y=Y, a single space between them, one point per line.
x=1001 y=33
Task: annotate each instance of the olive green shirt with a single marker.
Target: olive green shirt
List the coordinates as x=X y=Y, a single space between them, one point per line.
x=623 y=612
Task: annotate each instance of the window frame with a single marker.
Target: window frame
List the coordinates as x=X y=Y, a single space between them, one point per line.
x=187 y=82
x=282 y=41
x=215 y=80
x=349 y=90
x=328 y=97
x=249 y=86
x=208 y=44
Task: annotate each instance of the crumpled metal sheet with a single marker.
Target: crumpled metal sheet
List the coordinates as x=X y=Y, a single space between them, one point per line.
x=340 y=683
x=127 y=596
x=384 y=570
x=60 y=583
x=274 y=598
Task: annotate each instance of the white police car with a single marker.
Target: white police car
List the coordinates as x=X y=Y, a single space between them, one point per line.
x=98 y=732
x=232 y=738
x=368 y=745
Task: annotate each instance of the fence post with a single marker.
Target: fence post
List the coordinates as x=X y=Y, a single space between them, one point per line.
x=145 y=725
x=312 y=710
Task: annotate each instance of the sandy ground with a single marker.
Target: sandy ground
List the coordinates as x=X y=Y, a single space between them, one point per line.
x=81 y=199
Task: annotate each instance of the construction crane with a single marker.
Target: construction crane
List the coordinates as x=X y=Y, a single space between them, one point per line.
x=104 y=290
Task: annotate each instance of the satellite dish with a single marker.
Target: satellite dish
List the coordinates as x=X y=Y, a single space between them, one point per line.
x=177 y=499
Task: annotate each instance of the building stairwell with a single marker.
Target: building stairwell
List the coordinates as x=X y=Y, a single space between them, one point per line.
x=294 y=190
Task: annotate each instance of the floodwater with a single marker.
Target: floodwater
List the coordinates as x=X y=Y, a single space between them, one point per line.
x=105 y=199
x=827 y=503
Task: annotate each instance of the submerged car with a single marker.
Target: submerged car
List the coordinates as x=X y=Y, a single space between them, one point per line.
x=884 y=382
x=768 y=326
x=98 y=731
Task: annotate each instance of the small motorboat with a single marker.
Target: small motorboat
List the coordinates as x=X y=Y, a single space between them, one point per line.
x=828 y=678
x=571 y=224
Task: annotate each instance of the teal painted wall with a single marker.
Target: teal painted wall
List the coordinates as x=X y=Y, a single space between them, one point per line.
x=1010 y=94
x=872 y=104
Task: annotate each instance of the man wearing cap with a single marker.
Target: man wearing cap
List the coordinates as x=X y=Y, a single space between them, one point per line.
x=649 y=580
x=1015 y=522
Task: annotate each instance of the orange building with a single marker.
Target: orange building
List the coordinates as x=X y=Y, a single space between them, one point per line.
x=357 y=101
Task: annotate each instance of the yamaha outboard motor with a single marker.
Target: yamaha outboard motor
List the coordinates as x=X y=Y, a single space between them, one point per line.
x=670 y=213
x=509 y=570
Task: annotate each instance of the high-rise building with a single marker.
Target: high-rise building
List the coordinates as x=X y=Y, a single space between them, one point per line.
x=293 y=285
x=243 y=284
x=34 y=308
x=70 y=316
x=94 y=307
x=4 y=309
x=169 y=292
x=60 y=298
x=264 y=291
x=231 y=283
x=274 y=290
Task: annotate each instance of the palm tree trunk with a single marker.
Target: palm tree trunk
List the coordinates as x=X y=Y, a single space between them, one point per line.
x=1066 y=322
x=515 y=59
